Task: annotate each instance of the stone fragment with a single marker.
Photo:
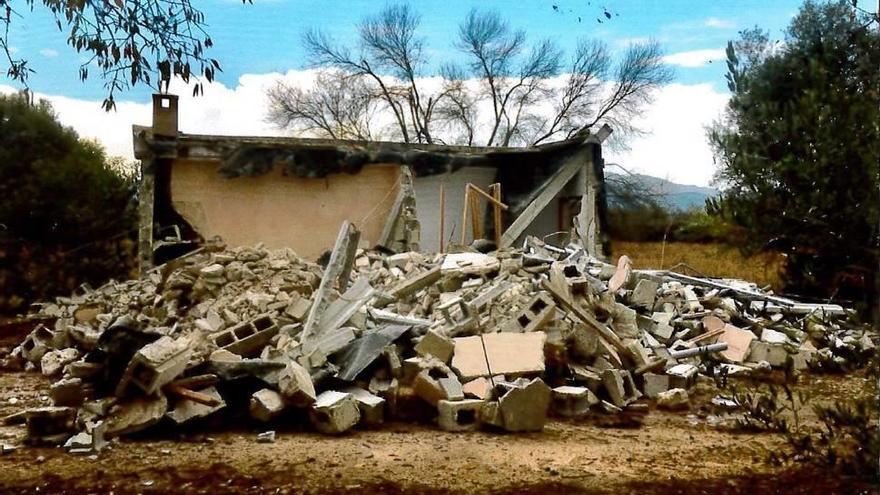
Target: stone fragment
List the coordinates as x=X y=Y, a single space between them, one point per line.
x=52 y=362
x=773 y=337
x=436 y=345
x=644 y=294
x=775 y=354
x=334 y=412
x=461 y=415
x=452 y=388
x=682 y=375
x=524 y=406
x=70 y=392
x=673 y=399
x=510 y=354
x=266 y=405
x=573 y=402
x=296 y=385
x=266 y=437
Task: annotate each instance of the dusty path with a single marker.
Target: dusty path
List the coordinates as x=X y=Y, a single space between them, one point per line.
x=669 y=453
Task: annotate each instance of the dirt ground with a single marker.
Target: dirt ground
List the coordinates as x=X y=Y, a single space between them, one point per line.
x=658 y=452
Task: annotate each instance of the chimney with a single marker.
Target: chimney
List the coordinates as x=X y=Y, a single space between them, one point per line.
x=165 y=115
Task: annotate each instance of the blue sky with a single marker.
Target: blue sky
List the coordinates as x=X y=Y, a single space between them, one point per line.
x=265 y=37
x=261 y=43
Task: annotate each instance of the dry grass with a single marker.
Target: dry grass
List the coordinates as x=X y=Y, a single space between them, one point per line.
x=712 y=260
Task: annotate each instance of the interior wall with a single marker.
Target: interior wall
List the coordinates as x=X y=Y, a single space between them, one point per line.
x=427 y=191
x=283 y=211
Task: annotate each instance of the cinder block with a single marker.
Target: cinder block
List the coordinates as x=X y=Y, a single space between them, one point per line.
x=655 y=384
x=156 y=365
x=70 y=392
x=436 y=345
x=334 y=412
x=537 y=313
x=372 y=407
x=644 y=294
x=462 y=415
x=249 y=338
x=572 y=402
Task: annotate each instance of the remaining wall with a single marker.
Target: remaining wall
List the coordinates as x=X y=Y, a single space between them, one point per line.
x=283 y=211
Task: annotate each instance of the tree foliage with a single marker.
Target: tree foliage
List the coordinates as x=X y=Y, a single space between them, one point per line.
x=66 y=216
x=798 y=150
x=498 y=95
x=130 y=42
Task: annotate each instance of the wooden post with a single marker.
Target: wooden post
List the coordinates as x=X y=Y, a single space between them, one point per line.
x=496 y=192
x=442 y=214
x=476 y=220
x=464 y=211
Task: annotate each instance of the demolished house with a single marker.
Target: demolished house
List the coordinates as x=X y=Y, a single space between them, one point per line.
x=496 y=337
x=294 y=193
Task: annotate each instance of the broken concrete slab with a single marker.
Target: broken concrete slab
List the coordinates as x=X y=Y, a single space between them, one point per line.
x=510 y=354
x=135 y=414
x=187 y=409
x=524 y=405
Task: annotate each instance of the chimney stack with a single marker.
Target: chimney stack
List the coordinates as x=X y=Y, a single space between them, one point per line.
x=165 y=115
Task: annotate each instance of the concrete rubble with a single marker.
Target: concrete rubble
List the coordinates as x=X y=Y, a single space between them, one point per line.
x=468 y=340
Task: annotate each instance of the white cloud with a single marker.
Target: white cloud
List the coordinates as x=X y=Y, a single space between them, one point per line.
x=675 y=147
x=715 y=22
x=13 y=50
x=49 y=53
x=695 y=58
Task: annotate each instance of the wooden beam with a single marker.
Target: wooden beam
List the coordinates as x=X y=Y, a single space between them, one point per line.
x=497 y=202
x=548 y=190
x=496 y=193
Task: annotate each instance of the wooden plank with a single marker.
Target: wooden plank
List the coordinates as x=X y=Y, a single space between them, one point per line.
x=192 y=395
x=548 y=191
x=496 y=192
x=604 y=332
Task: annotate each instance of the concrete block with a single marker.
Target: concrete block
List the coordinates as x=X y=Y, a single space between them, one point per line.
x=266 y=405
x=296 y=385
x=70 y=392
x=538 y=312
x=427 y=386
x=452 y=388
x=738 y=343
x=587 y=376
x=436 y=345
x=524 y=406
x=674 y=399
x=248 y=338
x=573 y=402
x=461 y=415
x=510 y=354
x=49 y=425
x=773 y=337
x=334 y=412
x=644 y=294
x=612 y=379
x=185 y=410
x=372 y=407
x=774 y=354
x=682 y=376
x=655 y=384
x=490 y=414
x=37 y=343
x=156 y=365
x=298 y=308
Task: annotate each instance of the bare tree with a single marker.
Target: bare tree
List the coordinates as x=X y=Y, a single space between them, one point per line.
x=533 y=94
x=338 y=106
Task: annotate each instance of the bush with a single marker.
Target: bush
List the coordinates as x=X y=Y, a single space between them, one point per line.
x=67 y=213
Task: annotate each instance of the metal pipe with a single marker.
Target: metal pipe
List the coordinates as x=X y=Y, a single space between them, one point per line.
x=721 y=346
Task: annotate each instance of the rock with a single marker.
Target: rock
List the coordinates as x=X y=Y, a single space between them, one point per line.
x=334 y=412
x=53 y=362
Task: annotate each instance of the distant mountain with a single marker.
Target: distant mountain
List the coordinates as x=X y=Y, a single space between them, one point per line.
x=671 y=194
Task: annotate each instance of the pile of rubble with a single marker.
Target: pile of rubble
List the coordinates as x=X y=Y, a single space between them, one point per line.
x=467 y=339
